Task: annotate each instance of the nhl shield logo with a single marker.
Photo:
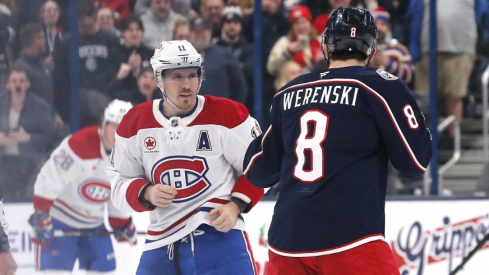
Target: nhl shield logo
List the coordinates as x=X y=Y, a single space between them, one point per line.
x=385 y=75
x=186 y=174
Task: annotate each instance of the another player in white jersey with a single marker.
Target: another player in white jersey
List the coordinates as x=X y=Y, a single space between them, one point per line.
x=181 y=158
x=71 y=193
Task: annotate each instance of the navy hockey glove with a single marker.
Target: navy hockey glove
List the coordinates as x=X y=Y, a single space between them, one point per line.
x=127 y=233
x=42 y=228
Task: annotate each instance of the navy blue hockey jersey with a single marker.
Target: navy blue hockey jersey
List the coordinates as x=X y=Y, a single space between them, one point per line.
x=331 y=135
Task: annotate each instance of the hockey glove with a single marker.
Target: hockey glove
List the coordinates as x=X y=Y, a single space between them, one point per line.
x=127 y=233
x=42 y=228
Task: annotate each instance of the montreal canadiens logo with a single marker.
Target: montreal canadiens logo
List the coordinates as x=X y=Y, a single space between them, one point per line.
x=150 y=143
x=186 y=174
x=96 y=192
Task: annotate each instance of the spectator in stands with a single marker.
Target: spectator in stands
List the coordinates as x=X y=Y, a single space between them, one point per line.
x=273 y=26
x=183 y=7
x=7 y=35
x=457 y=35
x=181 y=31
x=223 y=76
x=159 y=22
x=134 y=56
x=301 y=44
x=32 y=58
x=99 y=63
x=50 y=13
x=212 y=11
x=239 y=46
x=288 y=72
x=26 y=131
x=391 y=56
x=105 y=19
x=120 y=8
x=146 y=89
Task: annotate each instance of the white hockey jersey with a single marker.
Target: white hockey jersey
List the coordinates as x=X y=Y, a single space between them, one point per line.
x=73 y=184
x=200 y=154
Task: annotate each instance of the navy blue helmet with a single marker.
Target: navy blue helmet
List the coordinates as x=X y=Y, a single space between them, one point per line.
x=350 y=29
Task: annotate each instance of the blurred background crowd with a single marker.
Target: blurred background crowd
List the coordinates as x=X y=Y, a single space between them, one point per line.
x=117 y=39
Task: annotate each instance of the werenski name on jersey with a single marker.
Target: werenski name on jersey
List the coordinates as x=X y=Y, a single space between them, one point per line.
x=337 y=94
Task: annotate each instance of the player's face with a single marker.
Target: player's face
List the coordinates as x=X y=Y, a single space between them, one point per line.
x=181 y=87
x=109 y=134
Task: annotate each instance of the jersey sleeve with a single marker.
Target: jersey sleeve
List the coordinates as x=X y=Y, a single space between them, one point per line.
x=264 y=155
x=235 y=146
x=63 y=167
x=402 y=129
x=126 y=173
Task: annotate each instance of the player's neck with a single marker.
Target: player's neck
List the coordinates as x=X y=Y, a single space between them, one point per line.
x=345 y=63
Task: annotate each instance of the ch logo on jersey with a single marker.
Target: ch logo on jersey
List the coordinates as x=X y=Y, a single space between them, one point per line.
x=204 y=142
x=94 y=191
x=150 y=143
x=186 y=174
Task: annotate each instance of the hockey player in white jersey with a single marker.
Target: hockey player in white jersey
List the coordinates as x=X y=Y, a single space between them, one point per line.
x=181 y=159
x=70 y=194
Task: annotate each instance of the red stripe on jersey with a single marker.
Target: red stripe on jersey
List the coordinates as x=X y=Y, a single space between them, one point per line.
x=245 y=187
x=250 y=251
x=221 y=111
x=86 y=143
x=138 y=117
x=132 y=195
x=42 y=204
x=64 y=204
x=386 y=106
x=156 y=233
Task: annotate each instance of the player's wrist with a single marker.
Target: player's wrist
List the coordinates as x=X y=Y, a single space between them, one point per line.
x=240 y=204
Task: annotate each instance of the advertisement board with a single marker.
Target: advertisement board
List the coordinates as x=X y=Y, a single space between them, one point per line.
x=427 y=237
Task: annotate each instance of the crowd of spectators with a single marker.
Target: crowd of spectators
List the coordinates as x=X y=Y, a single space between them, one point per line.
x=117 y=39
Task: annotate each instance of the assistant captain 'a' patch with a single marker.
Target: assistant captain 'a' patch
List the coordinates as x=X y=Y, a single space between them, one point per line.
x=385 y=75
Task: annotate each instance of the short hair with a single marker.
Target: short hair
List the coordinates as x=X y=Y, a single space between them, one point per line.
x=86 y=8
x=129 y=19
x=17 y=69
x=179 y=22
x=28 y=34
x=44 y=5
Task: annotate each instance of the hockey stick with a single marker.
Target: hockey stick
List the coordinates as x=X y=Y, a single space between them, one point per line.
x=86 y=232
x=467 y=258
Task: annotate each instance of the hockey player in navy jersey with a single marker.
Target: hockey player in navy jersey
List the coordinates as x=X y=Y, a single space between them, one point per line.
x=71 y=193
x=331 y=135
x=181 y=159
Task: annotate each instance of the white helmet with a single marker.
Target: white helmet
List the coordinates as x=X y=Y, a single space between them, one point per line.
x=173 y=55
x=115 y=111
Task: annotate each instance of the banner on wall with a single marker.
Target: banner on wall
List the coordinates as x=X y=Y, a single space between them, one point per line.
x=427 y=237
